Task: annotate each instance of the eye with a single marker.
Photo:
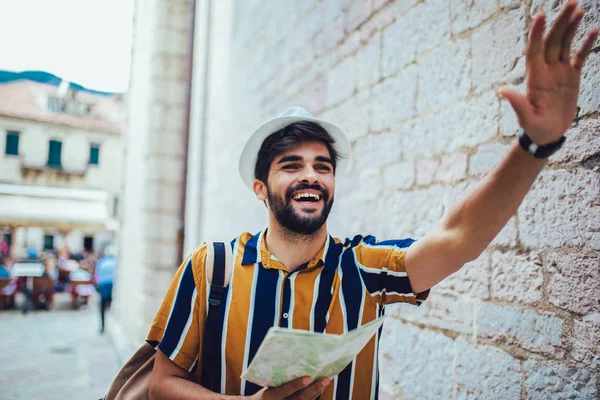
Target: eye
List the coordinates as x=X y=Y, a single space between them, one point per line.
x=323 y=167
x=291 y=166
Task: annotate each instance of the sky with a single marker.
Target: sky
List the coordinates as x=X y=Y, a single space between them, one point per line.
x=82 y=41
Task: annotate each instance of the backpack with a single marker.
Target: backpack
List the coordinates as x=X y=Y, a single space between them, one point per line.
x=133 y=380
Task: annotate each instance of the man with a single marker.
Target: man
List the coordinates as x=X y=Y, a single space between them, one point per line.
x=106 y=270
x=293 y=274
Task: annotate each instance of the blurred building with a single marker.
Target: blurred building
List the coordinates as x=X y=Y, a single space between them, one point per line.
x=60 y=166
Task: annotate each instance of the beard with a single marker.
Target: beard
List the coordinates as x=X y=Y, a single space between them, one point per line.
x=288 y=218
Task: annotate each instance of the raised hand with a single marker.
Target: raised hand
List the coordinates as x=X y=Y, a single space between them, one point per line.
x=547 y=110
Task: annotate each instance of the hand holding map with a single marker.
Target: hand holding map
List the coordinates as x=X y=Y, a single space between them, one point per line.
x=287 y=354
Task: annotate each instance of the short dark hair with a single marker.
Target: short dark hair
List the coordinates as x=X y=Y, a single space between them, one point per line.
x=288 y=138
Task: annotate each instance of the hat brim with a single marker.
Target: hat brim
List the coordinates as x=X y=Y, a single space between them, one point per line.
x=249 y=154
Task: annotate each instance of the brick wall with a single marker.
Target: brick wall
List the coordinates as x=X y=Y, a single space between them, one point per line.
x=413 y=84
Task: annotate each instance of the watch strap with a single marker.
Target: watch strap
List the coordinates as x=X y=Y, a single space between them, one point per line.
x=539 y=151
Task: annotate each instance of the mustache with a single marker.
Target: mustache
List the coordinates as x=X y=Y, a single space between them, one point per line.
x=305 y=186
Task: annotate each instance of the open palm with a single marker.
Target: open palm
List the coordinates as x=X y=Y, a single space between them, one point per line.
x=547 y=110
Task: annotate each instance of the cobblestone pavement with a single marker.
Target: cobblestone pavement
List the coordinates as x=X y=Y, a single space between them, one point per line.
x=56 y=354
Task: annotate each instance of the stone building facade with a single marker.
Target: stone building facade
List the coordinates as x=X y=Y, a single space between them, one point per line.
x=413 y=84
x=60 y=163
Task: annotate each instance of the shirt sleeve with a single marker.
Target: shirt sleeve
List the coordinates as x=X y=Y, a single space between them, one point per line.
x=178 y=326
x=382 y=268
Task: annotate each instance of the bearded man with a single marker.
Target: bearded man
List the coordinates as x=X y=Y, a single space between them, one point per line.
x=293 y=274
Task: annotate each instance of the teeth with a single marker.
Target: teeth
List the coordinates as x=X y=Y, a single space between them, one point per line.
x=305 y=195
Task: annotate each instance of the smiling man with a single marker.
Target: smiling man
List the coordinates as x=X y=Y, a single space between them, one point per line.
x=293 y=274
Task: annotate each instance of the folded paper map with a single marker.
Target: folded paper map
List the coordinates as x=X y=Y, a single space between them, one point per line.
x=287 y=354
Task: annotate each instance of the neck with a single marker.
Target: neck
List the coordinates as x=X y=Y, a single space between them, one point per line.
x=294 y=249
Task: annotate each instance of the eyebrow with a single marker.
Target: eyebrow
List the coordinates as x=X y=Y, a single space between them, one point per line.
x=324 y=159
x=298 y=158
x=288 y=159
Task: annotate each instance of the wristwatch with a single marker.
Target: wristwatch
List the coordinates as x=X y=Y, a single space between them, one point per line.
x=539 y=151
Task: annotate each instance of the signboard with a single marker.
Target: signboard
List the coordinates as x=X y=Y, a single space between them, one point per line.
x=27 y=269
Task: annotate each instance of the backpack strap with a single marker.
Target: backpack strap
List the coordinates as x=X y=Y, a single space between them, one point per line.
x=219 y=265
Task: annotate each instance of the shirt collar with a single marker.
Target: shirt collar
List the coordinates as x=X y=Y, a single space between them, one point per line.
x=256 y=251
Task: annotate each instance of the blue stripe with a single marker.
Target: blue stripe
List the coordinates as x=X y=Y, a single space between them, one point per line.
x=181 y=312
x=399 y=284
x=352 y=290
x=326 y=284
x=371 y=280
x=333 y=255
x=343 y=383
x=264 y=314
x=219 y=339
x=399 y=243
x=285 y=302
x=251 y=251
x=382 y=281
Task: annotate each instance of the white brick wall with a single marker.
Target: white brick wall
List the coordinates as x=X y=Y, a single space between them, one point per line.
x=483 y=371
x=413 y=83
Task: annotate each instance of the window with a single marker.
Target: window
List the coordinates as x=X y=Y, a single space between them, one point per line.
x=88 y=243
x=94 y=154
x=12 y=143
x=116 y=207
x=55 y=104
x=54 y=153
x=48 y=242
x=7 y=238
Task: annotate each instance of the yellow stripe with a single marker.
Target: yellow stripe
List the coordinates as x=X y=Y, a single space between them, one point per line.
x=237 y=321
x=363 y=367
x=304 y=287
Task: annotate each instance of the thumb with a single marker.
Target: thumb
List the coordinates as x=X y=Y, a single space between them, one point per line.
x=518 y=102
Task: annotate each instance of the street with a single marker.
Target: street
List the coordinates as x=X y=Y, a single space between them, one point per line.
x=56 y=354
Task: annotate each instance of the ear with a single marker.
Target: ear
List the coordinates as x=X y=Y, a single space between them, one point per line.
x=260 y=189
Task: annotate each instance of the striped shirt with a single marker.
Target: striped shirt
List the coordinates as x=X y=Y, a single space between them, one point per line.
x=345 y=286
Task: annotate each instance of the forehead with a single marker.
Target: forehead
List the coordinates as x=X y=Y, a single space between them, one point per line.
x=306 y=150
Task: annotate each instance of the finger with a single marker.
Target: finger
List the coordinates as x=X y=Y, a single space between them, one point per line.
x=554 y=38
x=585 y=50
x=289 y=388
x=312 y=391
x=535 y=46
x=565 y=51
x=518 y=102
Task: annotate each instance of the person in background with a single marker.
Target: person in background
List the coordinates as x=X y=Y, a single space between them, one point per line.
x=63 y=272
x=80 y=284
x=90 y=258
x=106 y=269
x=42 y=293
x=32 y=253
x=7 y=292
x=50 y=264
x=77 y=273
x=4 y=273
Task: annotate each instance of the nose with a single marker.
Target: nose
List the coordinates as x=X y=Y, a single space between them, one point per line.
x=309 y=175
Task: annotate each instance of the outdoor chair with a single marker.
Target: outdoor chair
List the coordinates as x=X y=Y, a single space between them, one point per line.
x=42 y=293
x=81 y=291
x=7 y=292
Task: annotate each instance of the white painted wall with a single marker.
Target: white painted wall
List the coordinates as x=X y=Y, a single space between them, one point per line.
x=33 y=153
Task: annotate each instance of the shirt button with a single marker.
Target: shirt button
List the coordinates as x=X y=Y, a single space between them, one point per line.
x=285 y=315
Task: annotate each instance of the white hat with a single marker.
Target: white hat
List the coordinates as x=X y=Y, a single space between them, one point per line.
x=249 y=154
